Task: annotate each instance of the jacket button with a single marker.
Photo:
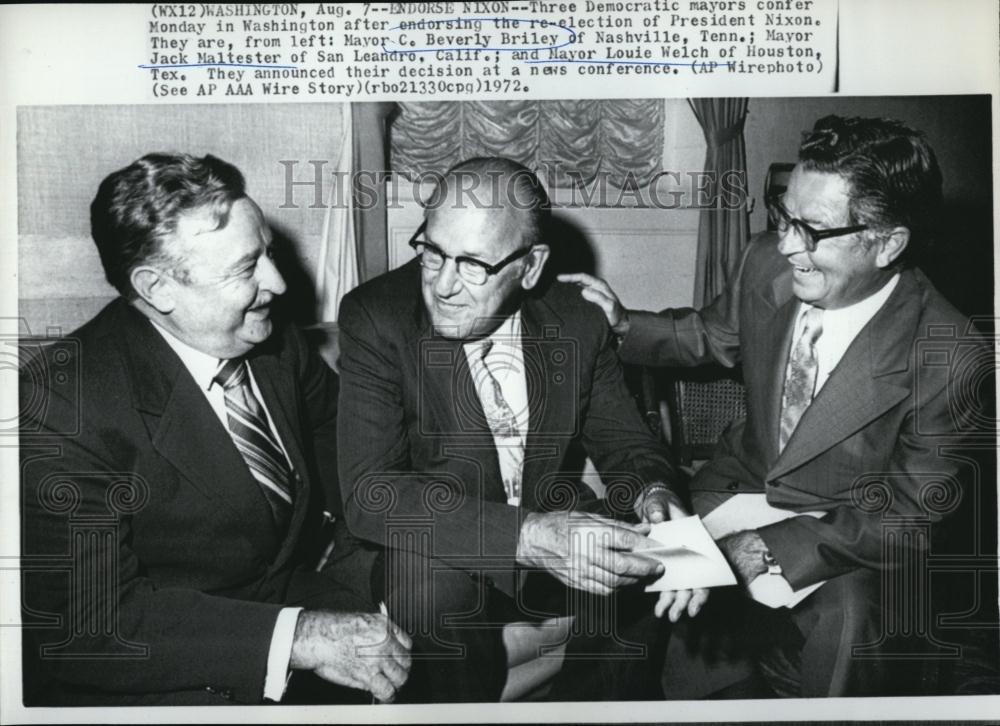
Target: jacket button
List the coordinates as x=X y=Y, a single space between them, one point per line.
x=732 y=486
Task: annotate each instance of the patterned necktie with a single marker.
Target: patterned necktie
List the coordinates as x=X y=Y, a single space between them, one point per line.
x=800 y=378
x=256 y=442
x=503 y=423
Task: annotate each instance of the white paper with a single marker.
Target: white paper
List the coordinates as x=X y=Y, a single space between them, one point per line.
x=747 y=511
x=690 y=556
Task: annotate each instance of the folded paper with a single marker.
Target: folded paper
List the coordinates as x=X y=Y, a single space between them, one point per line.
x=689 y=555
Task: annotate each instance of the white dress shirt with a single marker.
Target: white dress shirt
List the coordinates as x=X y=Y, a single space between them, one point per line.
x=203 y=368
x=840 y=328
x=506 y=362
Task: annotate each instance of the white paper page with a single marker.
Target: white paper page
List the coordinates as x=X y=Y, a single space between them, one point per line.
x=689 y=555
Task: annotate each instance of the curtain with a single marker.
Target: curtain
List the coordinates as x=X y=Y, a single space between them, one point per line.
x=568 y=143
x=337 y=269
x=723 y=227
x=371 y=155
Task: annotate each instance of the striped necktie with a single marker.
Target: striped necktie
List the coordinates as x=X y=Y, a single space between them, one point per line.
x=502 y=422
x=800 y=377
x=256 y=442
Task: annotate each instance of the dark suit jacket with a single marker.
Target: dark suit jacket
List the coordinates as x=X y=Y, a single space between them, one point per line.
x=154 y=571
x=866 y=449
x=415 y=449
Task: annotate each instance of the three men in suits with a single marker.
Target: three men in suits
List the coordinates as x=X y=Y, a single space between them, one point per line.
x=172 y=481
x=845 y=414
x=466 y=390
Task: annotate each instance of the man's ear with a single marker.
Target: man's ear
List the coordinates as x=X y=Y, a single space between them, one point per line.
x=155 y=287
x=537 y=258
x=891 y=246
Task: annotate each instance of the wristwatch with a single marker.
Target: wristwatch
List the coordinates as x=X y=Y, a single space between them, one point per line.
x=773 y=568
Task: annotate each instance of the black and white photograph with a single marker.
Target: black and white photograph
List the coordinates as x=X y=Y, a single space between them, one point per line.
x=263 y=435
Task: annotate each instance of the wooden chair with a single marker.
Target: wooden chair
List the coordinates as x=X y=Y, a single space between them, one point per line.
x=691 y=407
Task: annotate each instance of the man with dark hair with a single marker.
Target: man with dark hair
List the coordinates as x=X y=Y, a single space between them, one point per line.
x=465 y=390
x=179 y=494
x=844 y=415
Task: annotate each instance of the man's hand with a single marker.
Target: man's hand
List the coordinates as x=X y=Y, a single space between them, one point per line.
x=600 y=293
x=586 y=551
x=658 y=504
x=745 y=552
x=358 y=650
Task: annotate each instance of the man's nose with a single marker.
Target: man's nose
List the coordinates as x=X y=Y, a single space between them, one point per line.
x=447 y=282
x=270 y=278
x=791 y=241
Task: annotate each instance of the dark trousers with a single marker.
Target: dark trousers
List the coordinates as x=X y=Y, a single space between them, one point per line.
x=817 y=648
x=456 y=619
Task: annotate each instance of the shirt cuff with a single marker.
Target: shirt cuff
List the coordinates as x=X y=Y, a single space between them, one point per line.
x=280 y=654
x=775 y=591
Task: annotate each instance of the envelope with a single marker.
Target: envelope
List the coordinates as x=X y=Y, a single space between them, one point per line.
x=689 y=555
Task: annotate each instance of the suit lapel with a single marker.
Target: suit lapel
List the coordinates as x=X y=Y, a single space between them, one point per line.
x=863 y=386
x=278 y=392
x=777 y=343
x=448 y=404
x=767 y=342
x=546 y=363
x=185 y=431
x=191 y=437
x=452 y=402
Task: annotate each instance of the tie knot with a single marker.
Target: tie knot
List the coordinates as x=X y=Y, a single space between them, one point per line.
x=232 y=373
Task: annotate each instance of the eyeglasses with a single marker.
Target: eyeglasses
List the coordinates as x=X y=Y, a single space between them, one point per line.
x=811 y=237
x=473 y=271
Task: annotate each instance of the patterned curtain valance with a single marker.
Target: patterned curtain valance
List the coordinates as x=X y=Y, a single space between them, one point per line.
x=568 y=143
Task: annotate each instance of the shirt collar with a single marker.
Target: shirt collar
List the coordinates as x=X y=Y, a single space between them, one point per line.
x=507 y=334
x=855 y=316
x=201 y=366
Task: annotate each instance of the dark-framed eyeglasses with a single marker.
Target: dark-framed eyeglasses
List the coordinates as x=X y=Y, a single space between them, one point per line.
x=811 y=237
x=473 y=271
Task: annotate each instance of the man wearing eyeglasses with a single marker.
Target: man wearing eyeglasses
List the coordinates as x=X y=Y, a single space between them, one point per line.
x=466 y=391
x=826 y=318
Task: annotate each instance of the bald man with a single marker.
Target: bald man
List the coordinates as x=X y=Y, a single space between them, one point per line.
x=466 y=389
